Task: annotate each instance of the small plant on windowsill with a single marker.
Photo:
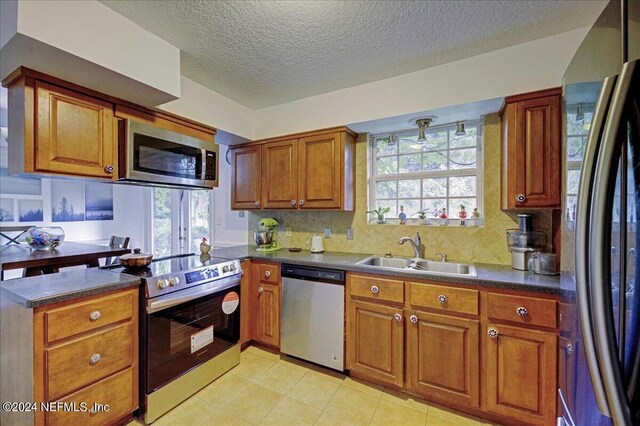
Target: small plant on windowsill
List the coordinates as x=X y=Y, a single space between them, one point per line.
x=380 y=213
x=422 y=215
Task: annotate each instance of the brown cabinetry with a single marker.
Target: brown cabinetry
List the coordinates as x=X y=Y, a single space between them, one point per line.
x=87 y=351
x=531 y=125
x=265 y=303
x=313 y=170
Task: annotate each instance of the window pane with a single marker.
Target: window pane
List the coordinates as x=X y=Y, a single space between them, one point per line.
x=434 y=161
x=385 y=148
x=387 y=203
x=434 y=187
x=462 y=158
x=433 y=206
x=575 y=148
x=410 y=207
x=387 y=165
x=573 y=181
x=161 y=222
x=436 y=140
x=454 y=206
x=462 y=141
x=386 y=189
x=462 y=186
x=409 y=188
x=408 y=145
x=200 y=219
x=410 y=163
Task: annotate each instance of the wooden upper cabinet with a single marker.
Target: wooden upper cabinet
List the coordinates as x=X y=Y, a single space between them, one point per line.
x=74 y=134
x=280 y=175
x=531 y=128
x=246 y=179
x=520 y=373
x=313 y=170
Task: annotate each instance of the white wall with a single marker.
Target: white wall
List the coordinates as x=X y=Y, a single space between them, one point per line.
x=229 y=229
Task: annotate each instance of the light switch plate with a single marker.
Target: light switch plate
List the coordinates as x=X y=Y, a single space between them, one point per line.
x=327 y=232
x=349 y=233
x=241 y=213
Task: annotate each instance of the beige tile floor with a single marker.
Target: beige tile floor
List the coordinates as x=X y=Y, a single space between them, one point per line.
x=267 y=389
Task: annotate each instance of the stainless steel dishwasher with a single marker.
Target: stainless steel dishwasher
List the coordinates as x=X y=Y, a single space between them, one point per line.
x=312 y=325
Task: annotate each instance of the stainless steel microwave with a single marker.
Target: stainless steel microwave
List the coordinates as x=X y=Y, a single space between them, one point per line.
x=151 y=155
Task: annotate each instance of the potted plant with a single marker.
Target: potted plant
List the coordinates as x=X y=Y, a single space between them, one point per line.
x=380 y=212
x=422 y=215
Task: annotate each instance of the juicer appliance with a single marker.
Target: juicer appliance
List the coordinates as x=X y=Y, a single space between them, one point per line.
x=524 y=241
x=266 y=235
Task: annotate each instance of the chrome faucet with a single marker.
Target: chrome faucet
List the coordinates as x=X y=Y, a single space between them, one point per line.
x=443 y=257
x=417 y=244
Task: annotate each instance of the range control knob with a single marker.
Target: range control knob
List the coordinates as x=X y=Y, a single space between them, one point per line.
x=232 y=267
x=225 y=268
x=174 y=281
x=163 y=283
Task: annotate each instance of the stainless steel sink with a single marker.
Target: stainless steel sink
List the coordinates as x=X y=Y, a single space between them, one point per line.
x=421 y=266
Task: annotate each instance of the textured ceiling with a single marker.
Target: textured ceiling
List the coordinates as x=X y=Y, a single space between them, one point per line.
x=263 y=53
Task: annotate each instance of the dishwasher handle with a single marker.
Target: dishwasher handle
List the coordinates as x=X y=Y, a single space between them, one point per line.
x=333 y=276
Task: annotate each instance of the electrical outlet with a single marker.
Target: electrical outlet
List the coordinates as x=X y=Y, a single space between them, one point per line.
x=287 y=232
x=241 y=213
x=327 y=232
x=349 y=233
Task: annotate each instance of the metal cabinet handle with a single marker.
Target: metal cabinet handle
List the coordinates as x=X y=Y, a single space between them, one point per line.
x=374 y=289
x=493 y=332
x=95 y=358
x=257 y=204
x=442 y=299
x=108 y=169
x=522 y=311
x=413 y=319
x=397 y=317
x=260 y=290
x=301 y=202
x=569 y=348
x=293 y=203
x=93 y=316
x=520 y=198
x=267 y=274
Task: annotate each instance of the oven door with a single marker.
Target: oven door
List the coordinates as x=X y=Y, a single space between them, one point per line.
x=161 y=156
x=184 y=331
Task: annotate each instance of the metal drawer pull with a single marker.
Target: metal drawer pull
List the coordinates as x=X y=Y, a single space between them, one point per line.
x=493 y=332
x=569 y=349
x=374 y=289
x=260 y=290
x=301 y=202
x=95 y=358
x=397 y=317
x=413 y=319
x=522 y=311
x=267 y=274
x=293 y=203
x=257 y=204
x=93 y=316
x=520 y=198
x=442 y=299
x=108 y=169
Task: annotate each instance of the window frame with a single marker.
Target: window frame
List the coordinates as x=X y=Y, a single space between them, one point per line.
x=478 y=172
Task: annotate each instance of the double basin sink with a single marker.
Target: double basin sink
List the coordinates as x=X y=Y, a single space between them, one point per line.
x=420 y=266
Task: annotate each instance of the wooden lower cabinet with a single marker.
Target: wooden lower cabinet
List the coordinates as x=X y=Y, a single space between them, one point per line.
x=520 y=373
x=245 y=305
x=265 y=303
x=375 y=342
x=443 y=357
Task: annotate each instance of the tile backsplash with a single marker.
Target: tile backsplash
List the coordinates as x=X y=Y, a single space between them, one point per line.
x=484 y=244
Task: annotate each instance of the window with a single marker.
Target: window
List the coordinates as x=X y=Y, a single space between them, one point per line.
x=578 y=123
x=443 y=172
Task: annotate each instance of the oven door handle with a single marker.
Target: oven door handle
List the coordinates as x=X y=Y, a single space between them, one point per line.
x=169 y=300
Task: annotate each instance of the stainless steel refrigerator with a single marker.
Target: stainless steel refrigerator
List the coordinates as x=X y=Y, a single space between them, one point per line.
x=599 y=371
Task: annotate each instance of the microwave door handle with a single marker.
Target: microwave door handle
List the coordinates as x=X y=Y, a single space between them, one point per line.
x=170 y=300
x=600 y=230
x=582 y=240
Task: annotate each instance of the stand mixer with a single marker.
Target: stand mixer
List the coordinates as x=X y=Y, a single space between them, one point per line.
x=266 y=235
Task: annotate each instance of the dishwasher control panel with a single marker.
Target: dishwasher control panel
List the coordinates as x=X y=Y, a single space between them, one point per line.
x=315 y=274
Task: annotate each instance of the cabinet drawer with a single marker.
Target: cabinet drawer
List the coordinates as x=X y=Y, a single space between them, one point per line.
x=86 y=360
x=444 y=299
x=81 y=317
x=115 y=391
x=269 y=273
x=525 y=310
x=377 y=289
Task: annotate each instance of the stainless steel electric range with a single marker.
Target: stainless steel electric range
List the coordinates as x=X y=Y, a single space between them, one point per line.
x=190 y=327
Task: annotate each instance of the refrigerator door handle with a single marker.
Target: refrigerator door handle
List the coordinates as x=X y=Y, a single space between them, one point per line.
x=582 y=241
x=600 y=267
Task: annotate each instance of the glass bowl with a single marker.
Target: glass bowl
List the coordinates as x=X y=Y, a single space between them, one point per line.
x=45 y=238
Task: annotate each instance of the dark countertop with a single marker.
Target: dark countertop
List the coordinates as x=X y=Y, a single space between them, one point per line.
x=42 y=290
x=498 y=276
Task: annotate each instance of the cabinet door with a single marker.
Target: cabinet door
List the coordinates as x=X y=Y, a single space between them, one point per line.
x=320 y=171
x=521 y=373
x=245 y=302
x=269 y=314
x=375 y=343
x=443 y=354
x=75 y=133
x=279 y=171
x=533 y=145
x=246 y=178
